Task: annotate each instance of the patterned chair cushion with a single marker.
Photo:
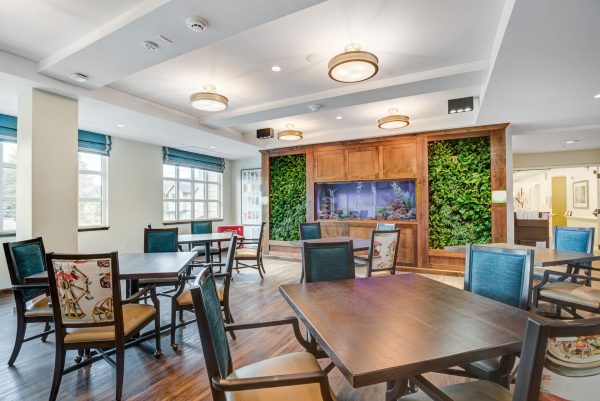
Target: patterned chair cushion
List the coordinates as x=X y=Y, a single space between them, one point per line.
x=572 y=292
x=473 y=391
x=298 y=362
x=185 y=298
x=246 y=253
x=384 y=246
x=39 y=308
x=134 y=316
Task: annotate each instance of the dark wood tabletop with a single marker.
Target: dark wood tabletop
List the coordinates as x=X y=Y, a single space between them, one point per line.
x=543 y=256
x=135 y=266
x=212 y=237
x=359 y=244
x=384 y=329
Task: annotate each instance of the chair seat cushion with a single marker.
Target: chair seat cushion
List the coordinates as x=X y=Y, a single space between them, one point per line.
x=298 y=362
x=134 y=315
x=185 y=298
x=246 y=253
x=201 y=249
x=473 y=391
x=573 y=293
x=40 y=308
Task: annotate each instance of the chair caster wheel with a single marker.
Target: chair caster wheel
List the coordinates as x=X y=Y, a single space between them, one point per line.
x=174 y=346
x=157 y=353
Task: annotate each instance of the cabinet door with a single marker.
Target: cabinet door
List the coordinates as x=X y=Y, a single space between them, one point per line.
x=407 y=249
x=399 y=161
x=363 y=163
x=330 y=166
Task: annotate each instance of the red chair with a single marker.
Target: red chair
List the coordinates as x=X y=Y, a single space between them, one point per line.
x=238 y=230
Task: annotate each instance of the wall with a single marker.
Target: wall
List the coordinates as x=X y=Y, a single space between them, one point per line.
x=524 y=161
x=236 y=179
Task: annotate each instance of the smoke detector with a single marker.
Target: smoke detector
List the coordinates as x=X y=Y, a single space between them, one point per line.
x=148 y=45
x=314 y=107
x=196 y=24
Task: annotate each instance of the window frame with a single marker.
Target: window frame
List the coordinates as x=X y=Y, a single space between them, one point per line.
x=192 y=200
x=104 y=192
x=4 y=198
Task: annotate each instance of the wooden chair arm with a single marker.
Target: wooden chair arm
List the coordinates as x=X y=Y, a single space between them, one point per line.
x=275 y=381
x=32 y=286
x=135 y=297
x=269 y=323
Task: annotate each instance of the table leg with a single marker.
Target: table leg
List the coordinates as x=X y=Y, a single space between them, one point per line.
x=207 y=252
x=134 y=286
x=395 y=389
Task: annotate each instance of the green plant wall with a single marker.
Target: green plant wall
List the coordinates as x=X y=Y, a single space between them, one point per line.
x=460 y=194
x=288 y=196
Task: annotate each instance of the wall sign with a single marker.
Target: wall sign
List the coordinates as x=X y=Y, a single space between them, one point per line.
x=251 y=197
x=581 y=194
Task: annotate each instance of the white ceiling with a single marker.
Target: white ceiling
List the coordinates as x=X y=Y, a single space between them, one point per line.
x=532 y=63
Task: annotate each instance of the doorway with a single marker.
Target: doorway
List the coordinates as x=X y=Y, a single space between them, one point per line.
x=558 y=207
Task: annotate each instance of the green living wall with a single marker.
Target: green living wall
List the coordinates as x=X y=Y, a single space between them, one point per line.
x=288 y=196
x=460 y=194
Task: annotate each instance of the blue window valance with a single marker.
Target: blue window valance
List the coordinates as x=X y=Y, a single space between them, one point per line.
x=92 y=142
x=8 y=128
x=189 y=159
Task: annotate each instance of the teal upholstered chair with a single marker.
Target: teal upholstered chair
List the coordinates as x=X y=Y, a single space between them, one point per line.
x=327 y=261
x=204 y=227
x=295 y=376
x=385 y=227
x=504 y=275
x=158 y=240
x=309 y=231
x=26 y=258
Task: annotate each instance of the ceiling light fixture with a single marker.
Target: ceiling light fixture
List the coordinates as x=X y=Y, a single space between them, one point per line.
x=569 y=142
x=209 y=100
x=289 y=134
x=460 y=105
x=211 y=147
x=121 y=125
x=597 y=96
x=339 y=117
x=276 y=68
x=354 y=65
x=393 y=121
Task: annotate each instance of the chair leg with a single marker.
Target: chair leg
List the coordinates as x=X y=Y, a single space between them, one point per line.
x=259 y=269
x=173 y=325
x=302 y=275
x=158 y=347
x=262 y=265
x=237 y=266
x=46 y=328
x=229 y=320
x=79 y=356
x=181 y=316
x=59 y=366
x=120 y=362
x=21 y=327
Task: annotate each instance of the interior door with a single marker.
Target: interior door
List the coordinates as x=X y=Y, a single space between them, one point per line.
x=559 y=201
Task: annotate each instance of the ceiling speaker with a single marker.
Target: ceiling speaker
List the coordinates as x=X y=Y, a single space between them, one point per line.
x=461 y=105
x=264 y=133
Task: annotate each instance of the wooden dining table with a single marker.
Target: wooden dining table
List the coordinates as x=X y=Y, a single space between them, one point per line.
x=358 y=244
x=206 y=239
x=389 y=329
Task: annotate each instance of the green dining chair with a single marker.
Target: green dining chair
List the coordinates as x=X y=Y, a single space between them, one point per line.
x=204 y=227
x=309 y=230
x=157 y=240
x=327 y=261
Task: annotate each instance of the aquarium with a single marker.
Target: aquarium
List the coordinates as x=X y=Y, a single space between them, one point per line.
x=366 y=200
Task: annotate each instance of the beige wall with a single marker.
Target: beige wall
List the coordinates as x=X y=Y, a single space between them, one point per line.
x=522 y=161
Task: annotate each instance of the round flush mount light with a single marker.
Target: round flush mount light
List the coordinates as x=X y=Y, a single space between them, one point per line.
x=209 y=100
x=354 y=65
x=339 y=117
x=289 y=134
x=393 y=121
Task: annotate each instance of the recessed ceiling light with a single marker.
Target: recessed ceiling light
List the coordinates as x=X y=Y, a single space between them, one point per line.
x=211 y=147
x=121 y=125
x=393 y=121
x=569 y=142
x=209 y=100
x=597 y=96
x=354 y=65
x=339 y=117
x=276 y=68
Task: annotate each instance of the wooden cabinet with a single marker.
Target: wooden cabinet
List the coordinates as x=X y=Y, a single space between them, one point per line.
x=330 y=165
x=398 y=161
x=363 y=163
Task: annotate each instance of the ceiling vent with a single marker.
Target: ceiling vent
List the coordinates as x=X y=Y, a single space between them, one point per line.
x=78 y=77
x=196 y=24
x=148 y=45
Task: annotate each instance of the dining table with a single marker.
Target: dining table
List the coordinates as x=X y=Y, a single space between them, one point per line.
x=206 y=239
x=358 y=244
x=389 y=329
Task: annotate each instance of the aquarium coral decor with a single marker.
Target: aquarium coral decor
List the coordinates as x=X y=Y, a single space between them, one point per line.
x=366 y=200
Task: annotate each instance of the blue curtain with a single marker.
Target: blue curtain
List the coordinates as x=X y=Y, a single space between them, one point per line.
x=189 y=159
x=8 y=128
x=91 y=142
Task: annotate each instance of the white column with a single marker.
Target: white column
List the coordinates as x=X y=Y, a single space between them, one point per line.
x=510 y=200
x=47 y=172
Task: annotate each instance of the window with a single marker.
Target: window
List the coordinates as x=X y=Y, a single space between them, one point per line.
x=191 y=193
x=92 y=190
x=8 y=183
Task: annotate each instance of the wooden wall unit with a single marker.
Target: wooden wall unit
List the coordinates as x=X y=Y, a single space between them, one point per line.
x=392 y=157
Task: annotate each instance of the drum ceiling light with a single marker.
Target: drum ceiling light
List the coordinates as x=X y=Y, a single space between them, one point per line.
x=208 y=100
x=393 y=121
x=354 y=65
x=289 y=134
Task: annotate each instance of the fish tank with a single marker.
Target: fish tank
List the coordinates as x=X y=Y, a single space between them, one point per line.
x=366 y=200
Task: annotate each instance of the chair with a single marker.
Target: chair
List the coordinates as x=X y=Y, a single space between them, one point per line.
x=182 y=300
x=292 y=377
x=251 y=254
x=504 y=275
x=327 y=261
x=89 y=312
x=158 y=240
x=573 y=239
x=309 y=231
x=204 y=227
x=529 y=378
x=385 y=227
x=383 y=251
x=25 y=258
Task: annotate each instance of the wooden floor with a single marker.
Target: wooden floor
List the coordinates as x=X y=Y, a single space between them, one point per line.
x=176 y=375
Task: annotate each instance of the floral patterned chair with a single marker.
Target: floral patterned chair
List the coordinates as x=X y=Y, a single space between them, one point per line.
x=383 y=251
x=89 y=312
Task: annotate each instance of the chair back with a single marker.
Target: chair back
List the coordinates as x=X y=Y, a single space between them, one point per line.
x=504 y=275
x=383 y=251
x=310 y=230
x=85 y=290
x=160 y=240
x=575 y=239
x=538 y=335
x=327 y=261
x=201 y=227
x=24 y=259
x=211 y=327
x=229 y=262
x=260 y=239
x=385 y=227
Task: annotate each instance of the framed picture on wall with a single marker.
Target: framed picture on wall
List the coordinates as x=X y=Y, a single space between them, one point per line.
x=251 y=195
x=581 y=194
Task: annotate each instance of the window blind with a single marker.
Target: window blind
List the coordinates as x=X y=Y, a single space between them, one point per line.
x=92 y=142
x=178 y=157
x=8 y=128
